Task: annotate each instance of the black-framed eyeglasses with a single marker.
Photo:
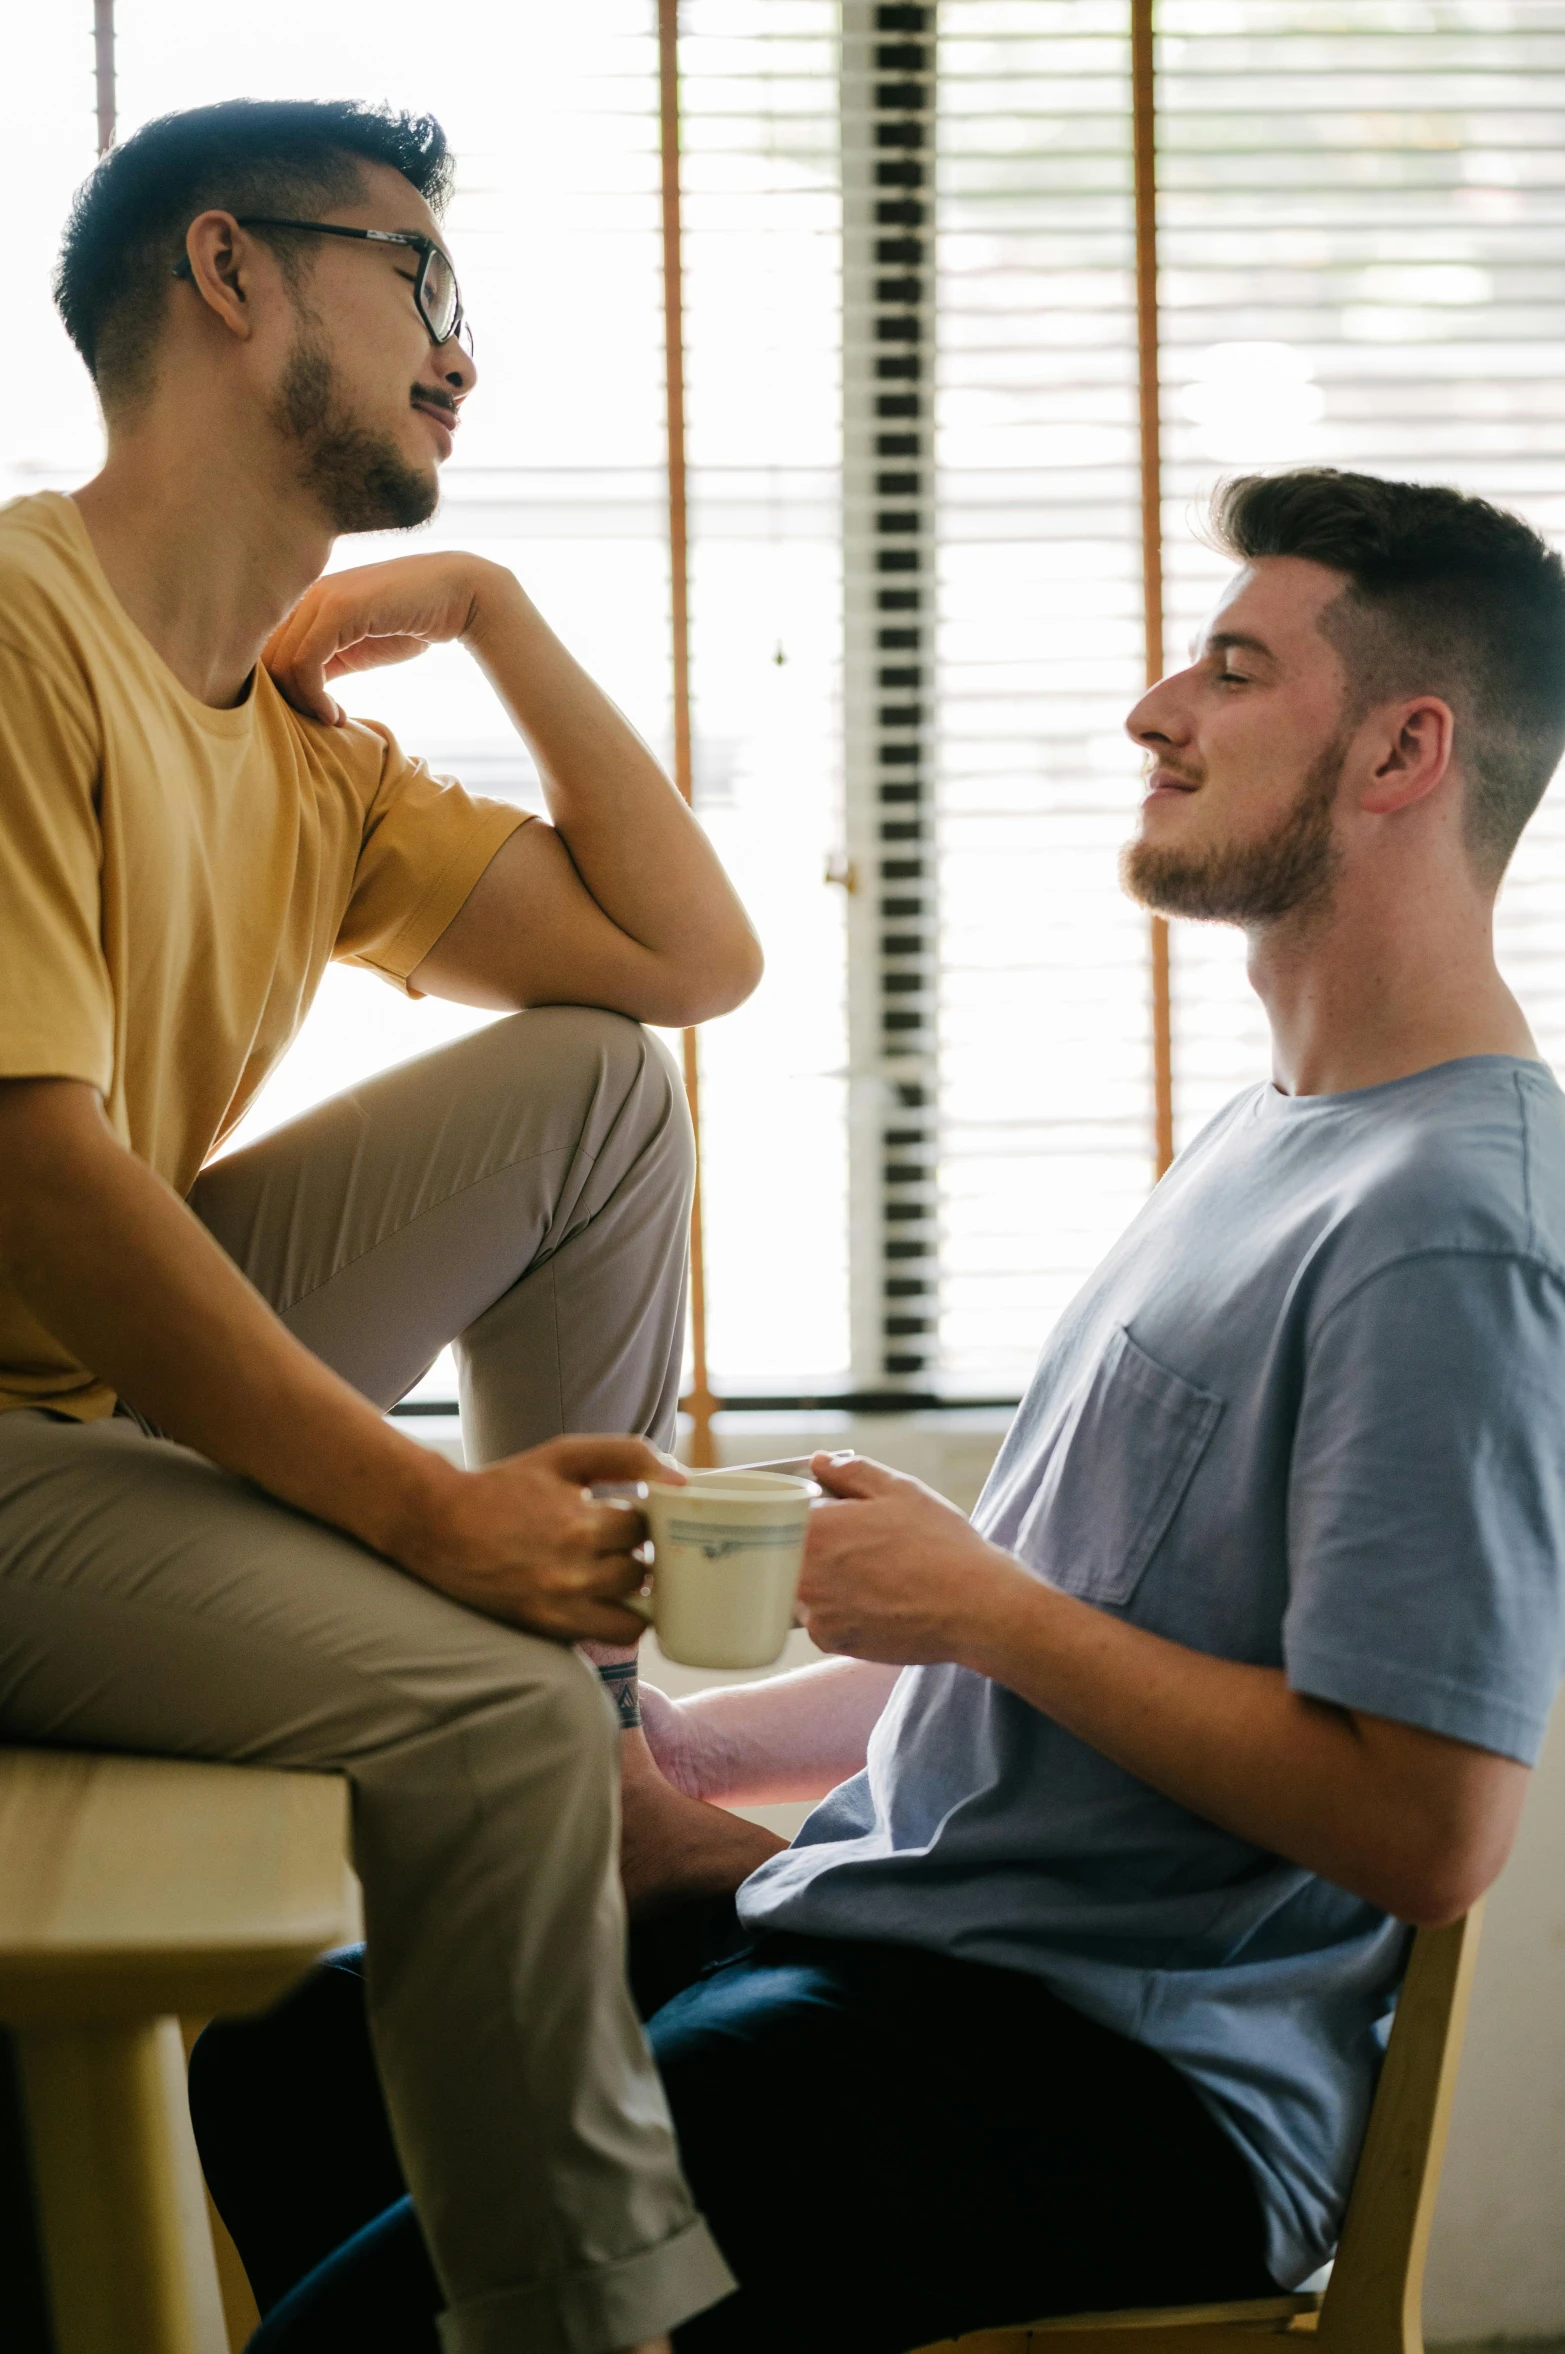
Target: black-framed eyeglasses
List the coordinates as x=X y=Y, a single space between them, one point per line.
x=436 y=295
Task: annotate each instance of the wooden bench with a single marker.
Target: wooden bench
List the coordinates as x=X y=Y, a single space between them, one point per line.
x=136 y=1892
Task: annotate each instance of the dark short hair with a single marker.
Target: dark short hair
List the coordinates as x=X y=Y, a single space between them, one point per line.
x=1446 y=595
x=127 y=224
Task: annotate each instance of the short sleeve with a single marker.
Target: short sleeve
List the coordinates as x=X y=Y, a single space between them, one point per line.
x=426 y=842
x=56 y=1001
x=1427 y=1500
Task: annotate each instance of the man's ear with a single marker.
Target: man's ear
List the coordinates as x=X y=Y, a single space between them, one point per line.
x=1412 y=748
x=220 y=264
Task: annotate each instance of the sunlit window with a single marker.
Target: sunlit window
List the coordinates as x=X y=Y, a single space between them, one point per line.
x=1360 y=233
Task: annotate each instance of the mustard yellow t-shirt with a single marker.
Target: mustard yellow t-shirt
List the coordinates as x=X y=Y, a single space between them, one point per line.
x=173 y=879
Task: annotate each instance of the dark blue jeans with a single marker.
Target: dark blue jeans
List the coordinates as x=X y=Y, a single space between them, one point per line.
x=890 y=2147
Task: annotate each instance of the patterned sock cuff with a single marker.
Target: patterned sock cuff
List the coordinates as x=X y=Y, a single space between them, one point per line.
x=620 y=1682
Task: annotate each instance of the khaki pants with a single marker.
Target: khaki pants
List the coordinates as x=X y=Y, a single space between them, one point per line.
x=523 y=1193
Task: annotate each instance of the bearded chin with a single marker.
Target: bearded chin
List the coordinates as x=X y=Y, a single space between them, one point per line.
x=1288 y=872
x=361 y=479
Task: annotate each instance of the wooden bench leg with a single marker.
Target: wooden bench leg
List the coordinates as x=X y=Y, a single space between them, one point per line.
x=239 y=2306
x=121 y=2206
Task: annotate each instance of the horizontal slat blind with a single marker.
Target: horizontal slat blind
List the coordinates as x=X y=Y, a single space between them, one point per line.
x=1362 y=232
x=762 y=213
x=1044 y=1022
x=1363 y=243
x=888 y=104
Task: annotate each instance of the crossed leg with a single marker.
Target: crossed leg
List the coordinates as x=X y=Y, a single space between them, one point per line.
x=523 y=1193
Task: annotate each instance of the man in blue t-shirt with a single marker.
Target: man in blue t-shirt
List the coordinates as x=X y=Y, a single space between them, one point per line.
x=1072 y=1991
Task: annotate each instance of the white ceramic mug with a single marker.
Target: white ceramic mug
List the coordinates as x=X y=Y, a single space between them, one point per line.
x=727 y=1549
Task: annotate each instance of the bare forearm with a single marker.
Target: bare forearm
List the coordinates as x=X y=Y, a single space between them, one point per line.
x=790 y=1737
x=1348 y=1796
x=633 y=841
x=1406 y=1818
x=620 y=902
x=673 y=1847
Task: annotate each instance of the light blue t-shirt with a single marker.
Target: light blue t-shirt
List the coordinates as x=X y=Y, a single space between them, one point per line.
x=1309 y=1413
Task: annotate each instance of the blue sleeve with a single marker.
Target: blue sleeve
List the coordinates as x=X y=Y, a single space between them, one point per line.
x=1426 y=1511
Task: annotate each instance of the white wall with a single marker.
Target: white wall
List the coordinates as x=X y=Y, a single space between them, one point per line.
x=1497 y=2262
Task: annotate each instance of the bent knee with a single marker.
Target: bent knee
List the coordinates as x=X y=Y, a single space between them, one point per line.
x=456 y=1672
x=572 y=1036
x=618 y=1060
x=551 y=1703
x=570 y=1705
x=588 y=1035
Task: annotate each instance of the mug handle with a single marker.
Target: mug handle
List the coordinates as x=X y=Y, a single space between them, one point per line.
x=624 y=1491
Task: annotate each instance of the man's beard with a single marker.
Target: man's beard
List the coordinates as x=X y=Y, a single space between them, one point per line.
x=1288 y=872
x=361 y=478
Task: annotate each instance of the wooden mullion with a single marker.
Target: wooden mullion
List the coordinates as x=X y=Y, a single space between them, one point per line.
x=1143 y=93
x=699 y=1404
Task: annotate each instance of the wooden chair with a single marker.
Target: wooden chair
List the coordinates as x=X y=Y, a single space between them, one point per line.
x=1373 y=2302
x=134 y=1892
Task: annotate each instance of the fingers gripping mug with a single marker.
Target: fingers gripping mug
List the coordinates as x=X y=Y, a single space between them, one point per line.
x=727 y=1549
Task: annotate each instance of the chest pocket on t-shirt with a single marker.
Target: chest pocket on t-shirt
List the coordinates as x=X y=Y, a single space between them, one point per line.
x=1117 y=1474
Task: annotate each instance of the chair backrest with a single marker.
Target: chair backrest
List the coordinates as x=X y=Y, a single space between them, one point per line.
x=1375 y=2295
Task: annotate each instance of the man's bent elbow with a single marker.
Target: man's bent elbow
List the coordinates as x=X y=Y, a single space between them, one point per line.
x=1441 y=1824
x=744 y=975
x=1433 y=1892
x=1433 y=1907
x=716 y=986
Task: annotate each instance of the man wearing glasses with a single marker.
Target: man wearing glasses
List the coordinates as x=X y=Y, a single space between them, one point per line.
x=211 y=1542
x=436 y=296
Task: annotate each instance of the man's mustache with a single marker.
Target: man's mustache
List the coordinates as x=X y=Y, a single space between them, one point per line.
x=1151 y=762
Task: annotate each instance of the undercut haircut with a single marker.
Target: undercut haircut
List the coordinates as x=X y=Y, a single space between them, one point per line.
x=127 y=225
x=1445 y=596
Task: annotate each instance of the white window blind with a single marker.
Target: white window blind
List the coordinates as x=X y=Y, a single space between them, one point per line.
x=1360 y=235
x=888 y=106
x=1361 y=220
x=1363 y=266
x=1046 y=1068
x=762 y=290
